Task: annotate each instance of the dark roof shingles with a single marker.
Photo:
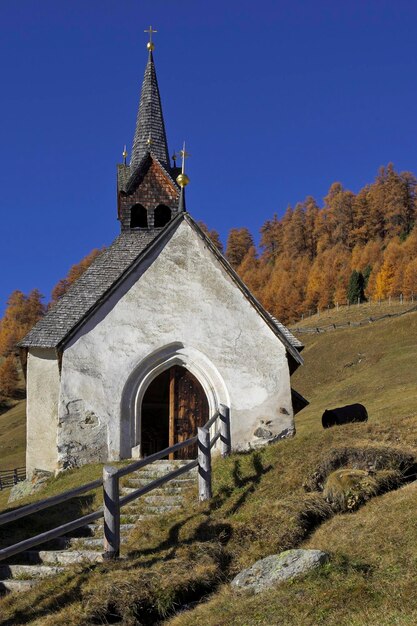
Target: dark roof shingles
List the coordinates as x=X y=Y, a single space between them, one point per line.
x=84 y=294
x=150 y=122
x=100 y=277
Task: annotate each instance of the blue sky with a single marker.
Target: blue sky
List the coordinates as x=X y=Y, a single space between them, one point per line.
x=276 y=100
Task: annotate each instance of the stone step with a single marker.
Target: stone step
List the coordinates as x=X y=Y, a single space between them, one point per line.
x=134 y=518
x=167 y=491
x=158 y=510
x=157 y=471
x=16 y=586
x=174 y=483
x=162 y=500
x=173 y=464
x=64 y=557
x=28 y=571
x=98 y=529
x=91 y=543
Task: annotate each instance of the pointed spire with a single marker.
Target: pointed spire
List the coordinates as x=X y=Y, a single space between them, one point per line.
x=150 y=133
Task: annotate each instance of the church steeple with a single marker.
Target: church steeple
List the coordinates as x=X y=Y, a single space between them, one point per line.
x=147 y=193
x=150 y=133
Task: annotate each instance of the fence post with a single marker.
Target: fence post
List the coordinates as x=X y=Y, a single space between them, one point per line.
x=204 y=464
x=225 y=437
x=111 y=513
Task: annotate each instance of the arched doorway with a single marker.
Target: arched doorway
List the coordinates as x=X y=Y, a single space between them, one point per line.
x=173 y=407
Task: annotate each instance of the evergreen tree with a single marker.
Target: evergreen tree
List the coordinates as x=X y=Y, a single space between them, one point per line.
x=355 y=290
x=366 y=274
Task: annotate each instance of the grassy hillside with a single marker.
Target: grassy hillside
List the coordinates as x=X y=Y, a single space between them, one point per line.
x=354 y=313
x=373 y=364
x=262 y=506
x=13 y=436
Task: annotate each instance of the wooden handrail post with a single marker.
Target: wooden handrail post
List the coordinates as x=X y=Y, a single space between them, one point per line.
x=204 y=464
x=111 y=513
x=225 y=437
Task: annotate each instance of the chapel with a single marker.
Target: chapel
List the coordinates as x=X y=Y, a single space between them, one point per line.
x=156 y=334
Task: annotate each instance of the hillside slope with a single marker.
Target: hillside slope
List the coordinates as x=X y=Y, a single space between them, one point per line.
x=261 y=506
x=13 y=436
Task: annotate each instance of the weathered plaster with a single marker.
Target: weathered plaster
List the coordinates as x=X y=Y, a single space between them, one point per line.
x=42 y=409
x=181 y=297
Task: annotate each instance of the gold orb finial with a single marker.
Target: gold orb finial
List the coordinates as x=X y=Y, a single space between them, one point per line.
x=183 y=180
x=124 y=155
x=150 y=45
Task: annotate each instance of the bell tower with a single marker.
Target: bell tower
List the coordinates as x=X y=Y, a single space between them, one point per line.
x=148 y=196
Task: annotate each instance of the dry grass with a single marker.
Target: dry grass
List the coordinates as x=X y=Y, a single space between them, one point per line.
x=13 y=436
x=354 y=313
x=347 y=489
x=261 y=507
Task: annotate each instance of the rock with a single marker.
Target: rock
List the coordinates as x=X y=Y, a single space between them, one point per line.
x=264 y=437
x=29 y=486
x=276 y=568
x=263 y=433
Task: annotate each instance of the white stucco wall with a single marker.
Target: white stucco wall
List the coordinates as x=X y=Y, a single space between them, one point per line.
x=42 y=410
x=184 y=298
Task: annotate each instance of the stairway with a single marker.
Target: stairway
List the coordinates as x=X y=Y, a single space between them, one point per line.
x=86 y=545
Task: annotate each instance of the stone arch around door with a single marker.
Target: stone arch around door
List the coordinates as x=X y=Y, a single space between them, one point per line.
x=147 y=370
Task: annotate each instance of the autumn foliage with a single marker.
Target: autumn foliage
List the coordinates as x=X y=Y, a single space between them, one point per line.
x=21 y=314
x=307 y=258
x=74 y=273
x=355 y=246
x=9 y=376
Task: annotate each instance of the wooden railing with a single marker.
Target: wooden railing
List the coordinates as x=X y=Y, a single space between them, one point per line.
x=111 y=492
x=9 y=478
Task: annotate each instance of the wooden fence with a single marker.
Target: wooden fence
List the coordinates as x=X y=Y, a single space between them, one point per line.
x=348 y=324
x=220 y=423
x=9 y=478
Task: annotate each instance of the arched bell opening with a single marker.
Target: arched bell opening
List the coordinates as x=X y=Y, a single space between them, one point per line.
x=162 y=215
x=173 y=407
x=138 y=216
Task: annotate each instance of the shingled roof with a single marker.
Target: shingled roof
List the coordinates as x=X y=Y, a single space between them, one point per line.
x=150 y=122
x=293 y=340
x=88 y=290
x=109 y=269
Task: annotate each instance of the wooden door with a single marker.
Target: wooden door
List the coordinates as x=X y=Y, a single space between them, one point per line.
x=188 y=409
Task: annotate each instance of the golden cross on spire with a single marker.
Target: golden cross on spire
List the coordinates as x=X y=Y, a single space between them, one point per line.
x=150 y=45
x=182 y=179
x=184 y=155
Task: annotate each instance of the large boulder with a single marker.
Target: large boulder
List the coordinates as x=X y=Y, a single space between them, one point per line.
x=276 y=568
x=29 y=486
